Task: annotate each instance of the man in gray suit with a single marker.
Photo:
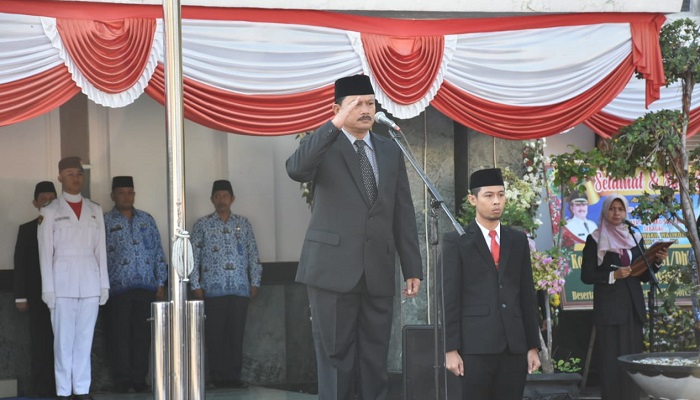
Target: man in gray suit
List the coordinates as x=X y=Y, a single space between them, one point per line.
x=362 y=215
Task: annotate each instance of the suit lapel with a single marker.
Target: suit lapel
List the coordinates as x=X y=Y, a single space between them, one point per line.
x=480 y=243
x=506 y=243
x=380 y=153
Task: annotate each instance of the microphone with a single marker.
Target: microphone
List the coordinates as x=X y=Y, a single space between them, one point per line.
x=629 y=224
x=383 y=119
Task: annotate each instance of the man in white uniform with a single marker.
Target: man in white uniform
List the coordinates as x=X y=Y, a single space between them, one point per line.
x=74 y=277
x=579 y=225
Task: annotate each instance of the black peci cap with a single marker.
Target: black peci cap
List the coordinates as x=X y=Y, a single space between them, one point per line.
x=122 y=181
x=44 y=187
x=486 y=177
x=353 y=85
x=222 y=184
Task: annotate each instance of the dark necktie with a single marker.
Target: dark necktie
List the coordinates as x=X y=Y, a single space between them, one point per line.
x=624 y=258
x=585 y=225
x=495 y=248
x=367 y=171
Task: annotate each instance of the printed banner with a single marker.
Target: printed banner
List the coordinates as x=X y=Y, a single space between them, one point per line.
x=582 y=214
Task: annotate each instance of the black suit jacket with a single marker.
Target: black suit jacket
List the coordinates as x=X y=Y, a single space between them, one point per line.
x=612 y=304
x=346 y=236
x=489 y=310
x=27 y=273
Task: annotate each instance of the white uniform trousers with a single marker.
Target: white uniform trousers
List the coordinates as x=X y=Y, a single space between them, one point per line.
x=73 y=321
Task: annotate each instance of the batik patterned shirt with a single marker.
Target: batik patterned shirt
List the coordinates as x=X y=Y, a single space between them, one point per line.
x=135 y=258
x=226 y=260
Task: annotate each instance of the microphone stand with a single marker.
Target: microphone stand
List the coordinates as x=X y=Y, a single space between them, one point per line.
x=653 y=285
x=433 y=238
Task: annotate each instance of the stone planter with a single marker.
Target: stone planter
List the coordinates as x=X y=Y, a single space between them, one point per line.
x=667 y=382
x=557 y=386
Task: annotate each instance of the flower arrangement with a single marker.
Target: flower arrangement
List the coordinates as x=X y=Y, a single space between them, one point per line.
x=549 y=270
x=533 y=164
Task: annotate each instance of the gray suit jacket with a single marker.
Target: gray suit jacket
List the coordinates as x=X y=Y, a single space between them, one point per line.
x=346 y=236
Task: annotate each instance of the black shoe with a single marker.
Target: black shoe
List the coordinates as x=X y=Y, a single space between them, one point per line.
x=63 y=398
x=82 y=397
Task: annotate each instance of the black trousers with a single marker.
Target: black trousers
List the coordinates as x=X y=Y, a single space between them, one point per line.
x=494 y=376
x=351 y=334
x=41 y=348
x=615 y=341
x=129 y=335
x=224 y=328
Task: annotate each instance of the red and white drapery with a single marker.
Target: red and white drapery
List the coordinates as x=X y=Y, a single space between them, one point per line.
x=271 y=72
x=627 y=107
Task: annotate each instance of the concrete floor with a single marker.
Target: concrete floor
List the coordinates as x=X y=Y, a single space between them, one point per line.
x=251 y=393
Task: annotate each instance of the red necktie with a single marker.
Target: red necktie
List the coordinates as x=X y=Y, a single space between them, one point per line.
x=495 y=248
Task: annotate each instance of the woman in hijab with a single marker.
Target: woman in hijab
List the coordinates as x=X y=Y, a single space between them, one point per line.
x=618 y=302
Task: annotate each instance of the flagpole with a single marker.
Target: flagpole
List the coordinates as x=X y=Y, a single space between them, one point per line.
x=172 y=22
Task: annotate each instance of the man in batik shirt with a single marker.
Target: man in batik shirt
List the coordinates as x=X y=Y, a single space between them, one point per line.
x=137 y=276
x=227 y=274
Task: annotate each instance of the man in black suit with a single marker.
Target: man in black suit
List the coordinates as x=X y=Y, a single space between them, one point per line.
x=491 y=320
x=362 y=216
x=28 y=297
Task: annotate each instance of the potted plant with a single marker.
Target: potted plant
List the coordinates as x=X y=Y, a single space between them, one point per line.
x=657 y=142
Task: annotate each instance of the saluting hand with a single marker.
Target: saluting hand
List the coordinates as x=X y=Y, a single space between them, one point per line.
x=342 y=113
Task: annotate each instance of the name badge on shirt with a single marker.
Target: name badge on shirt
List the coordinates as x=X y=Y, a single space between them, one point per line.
x=116 y=228
x=61 y=219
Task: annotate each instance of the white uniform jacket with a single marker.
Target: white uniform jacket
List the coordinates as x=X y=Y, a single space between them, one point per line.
x=72 y=252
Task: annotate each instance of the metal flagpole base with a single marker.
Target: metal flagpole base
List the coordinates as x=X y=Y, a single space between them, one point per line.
x=160 y=344
x=195 y=340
